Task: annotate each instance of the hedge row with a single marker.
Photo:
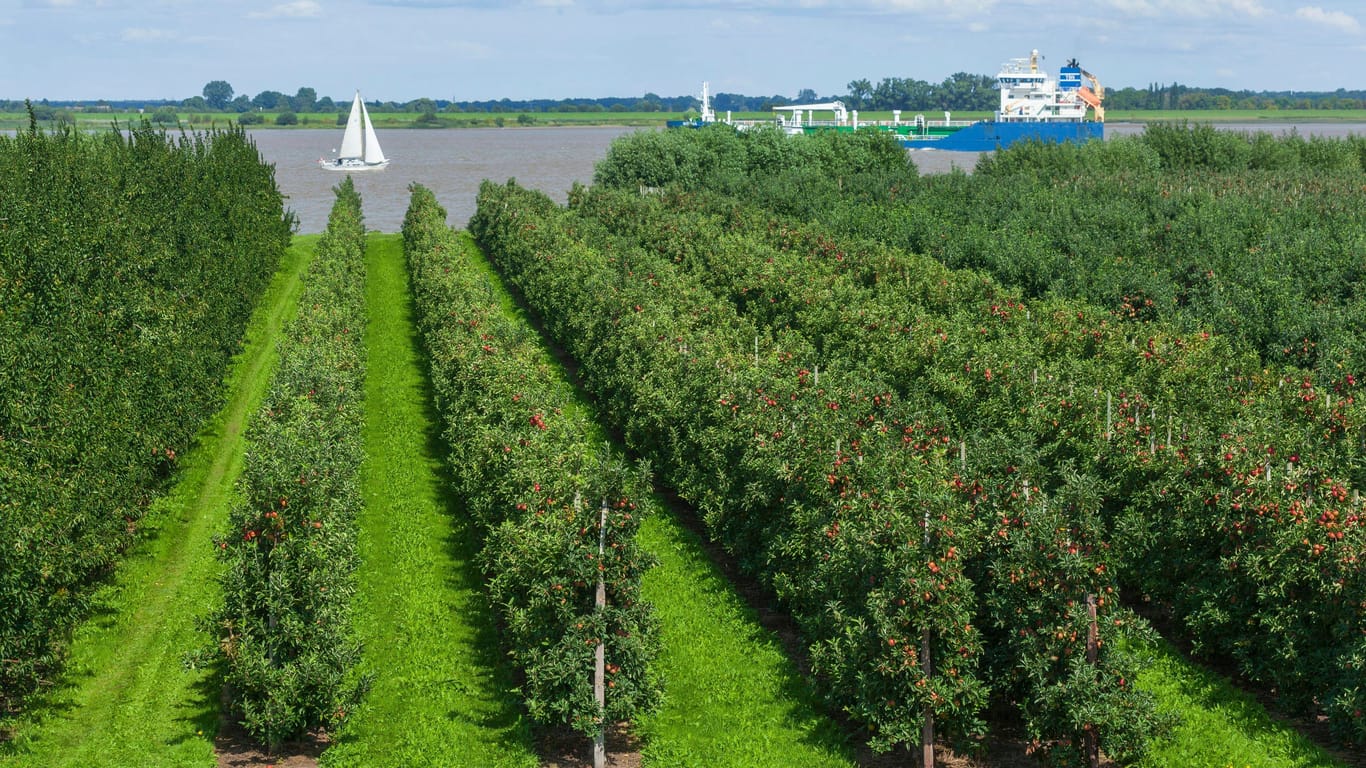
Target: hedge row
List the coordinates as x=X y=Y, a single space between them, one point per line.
x=832 y=489
x=538 y=488
x=129 y=265
x=946 y=344
x=1226 y=488
x=284 y=630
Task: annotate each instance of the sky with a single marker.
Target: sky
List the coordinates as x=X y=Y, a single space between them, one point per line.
x=398 y=50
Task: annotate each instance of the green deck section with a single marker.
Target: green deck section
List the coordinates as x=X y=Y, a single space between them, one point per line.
x=125 y=698
x=905 y=130
x=441 y=695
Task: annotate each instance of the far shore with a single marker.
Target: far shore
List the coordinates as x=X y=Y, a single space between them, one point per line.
x=460 y=120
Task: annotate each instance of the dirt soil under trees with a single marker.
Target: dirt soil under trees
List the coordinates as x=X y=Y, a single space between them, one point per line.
x=236 y=750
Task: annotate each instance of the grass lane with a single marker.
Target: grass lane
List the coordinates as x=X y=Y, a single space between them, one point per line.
x=1220 y=725
x=124 y=698
x=440 y=695
x=732 y=696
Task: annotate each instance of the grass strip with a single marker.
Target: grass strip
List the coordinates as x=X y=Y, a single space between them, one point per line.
x=440 y=694
x=1220 y=726
x=732 y=696
x=125 y=699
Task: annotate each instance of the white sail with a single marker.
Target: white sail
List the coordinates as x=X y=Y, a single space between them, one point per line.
x=360 y=147
x=373 y=154
x=351 y=141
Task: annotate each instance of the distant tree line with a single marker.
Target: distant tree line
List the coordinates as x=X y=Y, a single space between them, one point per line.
x=1177 y=96
x=958 y=92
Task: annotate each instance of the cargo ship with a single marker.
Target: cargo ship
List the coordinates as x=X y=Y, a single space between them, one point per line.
x=1033 y=107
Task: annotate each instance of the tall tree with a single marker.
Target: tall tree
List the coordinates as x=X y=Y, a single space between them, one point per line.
x=217 y=94
x=305 y=100
x=270 y=100
x=859 y=92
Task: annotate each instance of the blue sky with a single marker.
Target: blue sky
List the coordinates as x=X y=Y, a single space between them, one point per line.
x=480 y=49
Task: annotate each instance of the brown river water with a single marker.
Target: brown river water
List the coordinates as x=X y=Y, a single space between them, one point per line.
x=452 y=163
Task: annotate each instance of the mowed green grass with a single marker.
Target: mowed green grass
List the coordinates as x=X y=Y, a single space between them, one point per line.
x=1220 y=726
x=1236 y=115
x=125 y=698
x=10 y=121
x=732 y=696
x=441 y=693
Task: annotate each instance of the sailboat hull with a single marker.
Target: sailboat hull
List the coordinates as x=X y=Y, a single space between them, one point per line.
x=352 y=164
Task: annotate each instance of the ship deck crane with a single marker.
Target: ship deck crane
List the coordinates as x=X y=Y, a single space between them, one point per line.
x=1093 y=95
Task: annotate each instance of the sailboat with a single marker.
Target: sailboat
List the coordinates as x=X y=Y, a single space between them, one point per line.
x=360 y=147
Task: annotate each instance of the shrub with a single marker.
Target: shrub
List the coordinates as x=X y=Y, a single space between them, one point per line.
x=284 y=630
x=539 y=488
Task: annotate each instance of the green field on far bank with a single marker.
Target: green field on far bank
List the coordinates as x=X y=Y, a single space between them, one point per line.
x=393 y=120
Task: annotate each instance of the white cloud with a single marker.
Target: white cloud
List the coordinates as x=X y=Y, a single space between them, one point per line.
x=1133 y=7
x=1246 y=7
x=146 y=35
x=1335 y=19
x=950 y=7
x=65 y=3
x=297 y=9
x=1187 y=9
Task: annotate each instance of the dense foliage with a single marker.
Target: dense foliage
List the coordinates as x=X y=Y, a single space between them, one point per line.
x=129 y=265
x=284 y=629
x=545 y=495
x=851 y=304
x=762 y=163
x=839 y=492
x=1259 y=237
x=1224 y=487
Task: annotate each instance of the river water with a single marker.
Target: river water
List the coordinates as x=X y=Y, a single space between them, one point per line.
x=453 y=162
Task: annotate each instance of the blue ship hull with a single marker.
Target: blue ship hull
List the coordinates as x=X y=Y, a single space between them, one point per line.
x=988 y=135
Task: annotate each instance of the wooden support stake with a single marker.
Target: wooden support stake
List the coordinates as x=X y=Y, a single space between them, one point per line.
x=927 y=729
x=1108 y=416
x=1092 y=654
x=600 y=653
